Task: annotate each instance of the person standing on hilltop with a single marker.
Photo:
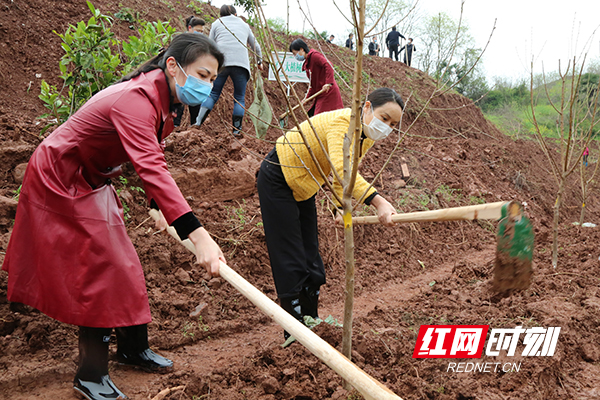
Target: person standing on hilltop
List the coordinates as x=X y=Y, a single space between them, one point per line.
x=330 y=40
x=374 y=47
x=409 y=47
x=320 y=72
x=350 y=41
x=392 y=41
x=69 y=255
x=234 y=37
x=287 y=184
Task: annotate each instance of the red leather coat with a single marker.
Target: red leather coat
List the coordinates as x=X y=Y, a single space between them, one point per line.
x=320 y=72
x=69 y=255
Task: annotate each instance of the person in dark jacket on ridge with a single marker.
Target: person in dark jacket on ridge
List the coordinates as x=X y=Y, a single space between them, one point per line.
x=374 y=47
x=350 y=41
x=392 y=41
x=409 y=47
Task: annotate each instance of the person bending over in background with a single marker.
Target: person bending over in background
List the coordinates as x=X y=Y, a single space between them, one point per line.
x=86 y=272
x=392 y=41
x=321 y=75
x=193 y=25
x=232 y=36
x=287 y=189
x=409 y=47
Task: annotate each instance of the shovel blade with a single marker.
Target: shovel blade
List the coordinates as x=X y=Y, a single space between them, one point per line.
x=513 y=265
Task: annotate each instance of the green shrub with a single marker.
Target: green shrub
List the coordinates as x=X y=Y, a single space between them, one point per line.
x=94 y=59
x=88 y=66
x=152 y=37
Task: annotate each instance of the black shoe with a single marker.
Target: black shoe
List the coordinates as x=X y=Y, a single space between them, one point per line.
x=147 y=360
x=237 y=125
x=104 y=390
x=309 y=299
x=202 y=114
x=293 y=307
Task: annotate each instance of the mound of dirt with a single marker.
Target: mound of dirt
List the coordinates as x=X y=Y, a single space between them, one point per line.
x=407 y=276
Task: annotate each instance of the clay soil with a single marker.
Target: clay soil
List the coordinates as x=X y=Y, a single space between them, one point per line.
x=407 y=276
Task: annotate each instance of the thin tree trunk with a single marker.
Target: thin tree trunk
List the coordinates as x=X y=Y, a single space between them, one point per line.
x=557 y=204
x=584 y=195
x=350 y=170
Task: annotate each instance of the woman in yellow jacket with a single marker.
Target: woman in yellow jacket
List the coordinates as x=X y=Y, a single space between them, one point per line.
x=287 y=183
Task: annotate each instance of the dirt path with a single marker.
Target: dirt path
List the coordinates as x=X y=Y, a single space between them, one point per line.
x=202 y=358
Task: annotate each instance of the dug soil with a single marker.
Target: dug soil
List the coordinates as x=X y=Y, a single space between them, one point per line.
x=410 y=275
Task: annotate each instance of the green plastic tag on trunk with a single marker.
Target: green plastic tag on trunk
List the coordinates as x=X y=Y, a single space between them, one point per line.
x=514 y=253
x=515 y=233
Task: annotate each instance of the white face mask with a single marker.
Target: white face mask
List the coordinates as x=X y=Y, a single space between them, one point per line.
x=377 y=129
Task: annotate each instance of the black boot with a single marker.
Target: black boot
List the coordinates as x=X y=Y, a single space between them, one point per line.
x=202 y=114
x=309 y=298
x=92 y=380
x=133 y=349
x=237 y=125
x=293 y=307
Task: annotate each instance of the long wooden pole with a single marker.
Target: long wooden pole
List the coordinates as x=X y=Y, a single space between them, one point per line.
x=467 y=213
x=285 y=114
x=369 y=387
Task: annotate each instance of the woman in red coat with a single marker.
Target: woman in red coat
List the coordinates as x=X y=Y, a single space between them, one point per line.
x=320 y=72
x=69 y=255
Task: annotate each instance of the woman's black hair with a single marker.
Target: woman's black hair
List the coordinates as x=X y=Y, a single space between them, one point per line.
x=381 y=96
x=192 y=21
x=227 y=10
x=299 y=44
x=186 y=48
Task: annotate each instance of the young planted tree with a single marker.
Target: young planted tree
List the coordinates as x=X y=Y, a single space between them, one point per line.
x=577 y=117
x=351 y=145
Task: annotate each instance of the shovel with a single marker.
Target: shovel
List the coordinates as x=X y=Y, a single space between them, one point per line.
x=369 y=387
x=288 y=112
x=514 y=250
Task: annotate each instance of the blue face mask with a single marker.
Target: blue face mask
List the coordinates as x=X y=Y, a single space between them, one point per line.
x=194 y=90
x=299 y=57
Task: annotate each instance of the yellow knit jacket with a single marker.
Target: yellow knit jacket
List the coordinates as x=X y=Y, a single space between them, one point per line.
x=299 y=170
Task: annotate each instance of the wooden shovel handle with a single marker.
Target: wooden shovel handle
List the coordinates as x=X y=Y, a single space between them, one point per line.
x=467 y=213
x=370 y=388
x=285 y=114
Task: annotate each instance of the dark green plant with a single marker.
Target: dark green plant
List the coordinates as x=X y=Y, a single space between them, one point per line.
x=195 y=6
x=152 y=36
x=88 y=66
x=94 y=59
x=127 y=15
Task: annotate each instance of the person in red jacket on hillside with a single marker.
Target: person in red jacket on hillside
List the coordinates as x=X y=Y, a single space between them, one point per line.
x=69 y=255
x=320 y=72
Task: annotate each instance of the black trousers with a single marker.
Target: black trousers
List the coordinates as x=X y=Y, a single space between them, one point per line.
x=394 y=49
x=194 y=110
x=290 y=230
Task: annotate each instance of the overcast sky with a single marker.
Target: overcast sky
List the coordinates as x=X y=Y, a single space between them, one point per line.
x=545 y=30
